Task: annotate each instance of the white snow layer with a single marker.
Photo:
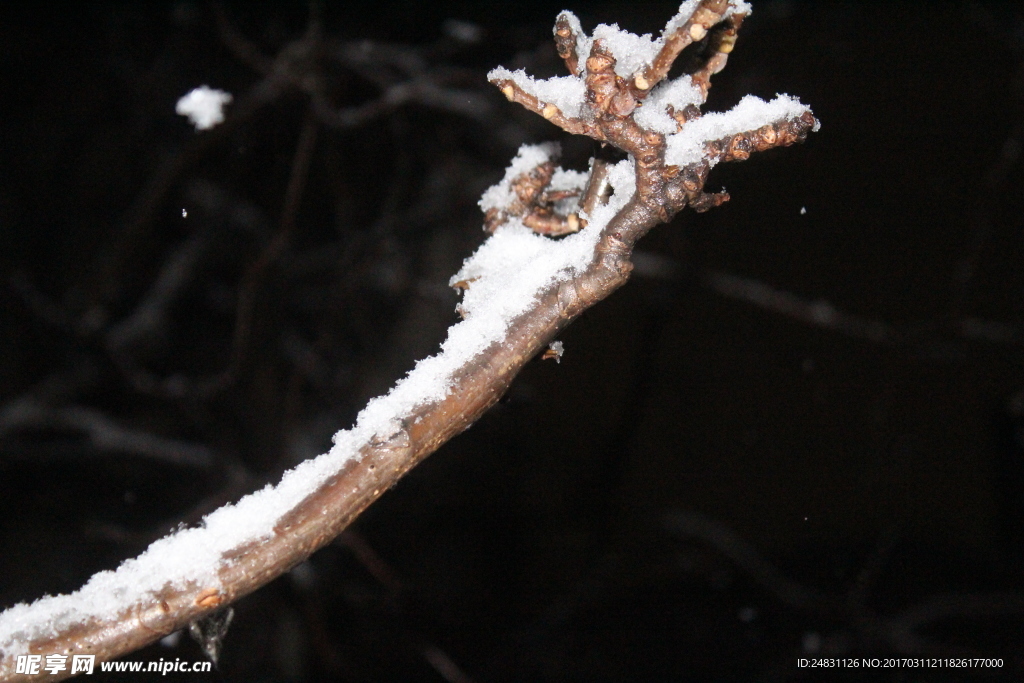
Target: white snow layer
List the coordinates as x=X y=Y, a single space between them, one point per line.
x=530 y=156
x=632 y=52
x=681 y=17
x=565 y=92
x=204 y=107
x=507 y=272
x=687 y=146
x=513 y=265
x=679 y=93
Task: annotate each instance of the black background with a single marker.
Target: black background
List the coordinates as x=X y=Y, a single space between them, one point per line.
x=791 y=433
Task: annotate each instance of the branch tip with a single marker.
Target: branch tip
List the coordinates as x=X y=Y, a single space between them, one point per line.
x=567 y=35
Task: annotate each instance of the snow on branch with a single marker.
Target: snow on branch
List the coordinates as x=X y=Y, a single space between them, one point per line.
x=561 y=241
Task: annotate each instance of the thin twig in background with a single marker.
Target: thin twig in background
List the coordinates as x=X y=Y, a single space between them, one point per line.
x=901 y=630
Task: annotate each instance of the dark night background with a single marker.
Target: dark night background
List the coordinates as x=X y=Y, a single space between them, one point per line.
x=792 y=434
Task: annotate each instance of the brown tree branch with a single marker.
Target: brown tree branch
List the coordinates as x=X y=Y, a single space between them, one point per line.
x=661 y=190
x=694 y=29
x=516 y=94
x=723 y=42
x=566 y=38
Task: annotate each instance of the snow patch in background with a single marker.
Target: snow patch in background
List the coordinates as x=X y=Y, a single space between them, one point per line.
x=204 y=107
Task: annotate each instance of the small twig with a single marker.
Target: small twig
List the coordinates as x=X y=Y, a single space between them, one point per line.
x=444 y=664
x=241 y=47
x=380 y=569
x=388 y=577
x=597 y=188
x=724 y=40
x=705 y=16
x=104 y=433
x=257 y=271
x=819 y=313
x=736 y=548
x=921 y=336
x=175 y=274
x=514 y=93
x=981 y=220
x=901 y=631
x=567 y=30
x=150 y=315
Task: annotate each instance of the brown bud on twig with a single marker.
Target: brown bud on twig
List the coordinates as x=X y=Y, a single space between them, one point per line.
x=691 y=180
x=464 y=284
x=602 y=83
x=565 y=43
x=695 y=29
x=738 y=148
x=622 y=104
x=704 y=201
x=545 y=222
x=529 y=185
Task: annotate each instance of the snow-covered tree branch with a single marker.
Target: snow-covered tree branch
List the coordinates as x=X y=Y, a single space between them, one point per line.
x=561 y=241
